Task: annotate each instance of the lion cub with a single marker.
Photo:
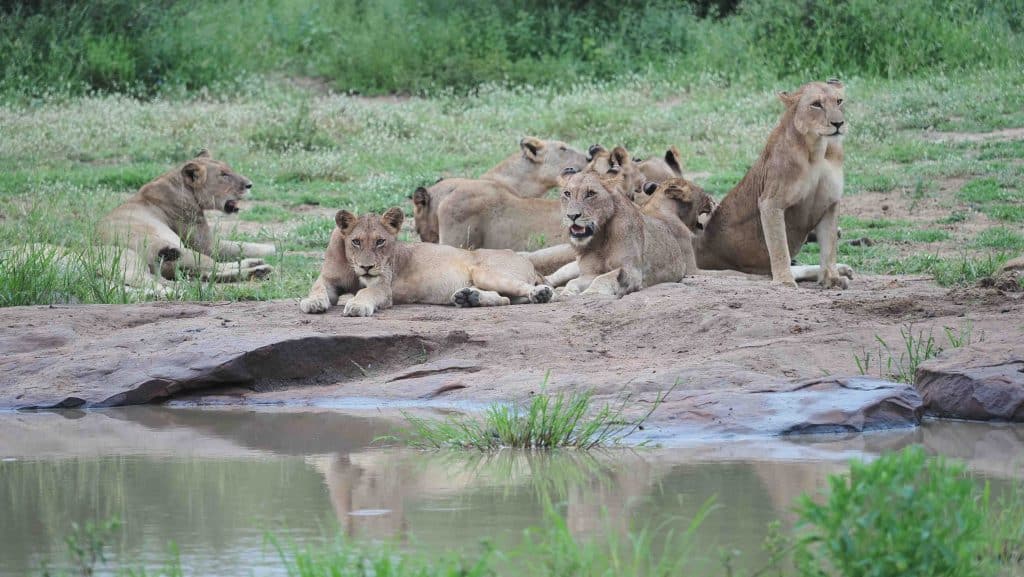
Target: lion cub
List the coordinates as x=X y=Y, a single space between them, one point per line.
x=793 y=189
x=621 y=248
x=365 y=252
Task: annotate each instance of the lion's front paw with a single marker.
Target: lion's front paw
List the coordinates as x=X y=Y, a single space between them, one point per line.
x=832 y=279
x=541 y=293
x=259 y=249
x=784 y=282
x=258 y=272
x=466 y=297
x=358 y=308
x=315 y=305
x=250 y=262
x=845 y=270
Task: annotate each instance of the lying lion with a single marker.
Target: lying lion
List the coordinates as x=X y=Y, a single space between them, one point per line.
x=365 y=255
x=163 y=225
x=528 y=174
x=621 y=248
x=793 y=189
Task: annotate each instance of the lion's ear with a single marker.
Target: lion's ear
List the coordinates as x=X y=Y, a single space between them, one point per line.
x=619 y=158
x=532 y=148
x=788 y=98
x=593 y=150
x=203 y=153
x=674 y=160
x=392 y=219
x=834 y=83
x=565 y=175
x=650 y=187
x=345 y=220
x=421 y=197
x=194 y=174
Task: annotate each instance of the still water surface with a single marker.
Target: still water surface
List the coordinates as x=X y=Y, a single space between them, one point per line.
x=214 y=482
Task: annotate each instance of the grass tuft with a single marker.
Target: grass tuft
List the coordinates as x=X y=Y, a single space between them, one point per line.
x=547 y=422
x=900 y=364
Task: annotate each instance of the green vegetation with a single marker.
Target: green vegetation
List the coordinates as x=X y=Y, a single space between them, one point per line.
x=900 y=364
x=432 y=47
x=904 y=514
x=547 y=422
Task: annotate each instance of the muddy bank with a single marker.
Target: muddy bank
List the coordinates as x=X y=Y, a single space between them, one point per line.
x=745 y=358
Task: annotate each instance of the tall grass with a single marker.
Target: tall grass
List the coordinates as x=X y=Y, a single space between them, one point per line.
x=438 y=45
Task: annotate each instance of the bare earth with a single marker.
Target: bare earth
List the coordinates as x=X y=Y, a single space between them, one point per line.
x=745 y=358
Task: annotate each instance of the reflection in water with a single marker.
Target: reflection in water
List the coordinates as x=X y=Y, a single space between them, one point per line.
x=215 y=481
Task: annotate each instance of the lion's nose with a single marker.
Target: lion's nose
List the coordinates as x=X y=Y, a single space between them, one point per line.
x=838 y=124
x=573 y=216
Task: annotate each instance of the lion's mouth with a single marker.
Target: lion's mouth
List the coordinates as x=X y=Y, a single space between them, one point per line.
x=577 y=231
x=231 y=206
x=836 y=133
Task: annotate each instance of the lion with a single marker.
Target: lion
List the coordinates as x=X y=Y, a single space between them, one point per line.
x=370 y=269
x=496 y=218
x=794 y=188
x=621 y=248
x=528 y=174
x=163 y=225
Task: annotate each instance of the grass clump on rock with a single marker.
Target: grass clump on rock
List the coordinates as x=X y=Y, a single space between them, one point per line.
x=548 y=421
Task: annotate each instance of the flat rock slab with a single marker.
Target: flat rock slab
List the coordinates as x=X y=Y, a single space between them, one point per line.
x=981 y=382
x=742 y=357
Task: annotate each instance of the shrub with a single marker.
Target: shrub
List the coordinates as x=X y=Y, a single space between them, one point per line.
x=904 y=515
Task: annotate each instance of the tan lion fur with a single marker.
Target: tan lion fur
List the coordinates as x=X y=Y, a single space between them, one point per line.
x=164 y=225
x=529 y=173
x=369 y=269
x=792 y=189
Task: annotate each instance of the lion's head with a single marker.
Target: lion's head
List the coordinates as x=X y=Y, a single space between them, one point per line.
x=686 y=200
x=616 y=161
x=550 y=157
x=588 y=202
x=817 y=109
x=213 y=183
x=370 y=241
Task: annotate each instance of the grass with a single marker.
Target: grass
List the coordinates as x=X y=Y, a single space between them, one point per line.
x=548 y=421
x=54 y=189
x=900 y=362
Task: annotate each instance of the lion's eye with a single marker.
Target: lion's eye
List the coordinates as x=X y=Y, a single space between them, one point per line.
x=591 y=194
x=565 y=193
x=816 y=104
x=356 y=243
x=380 y=242
x=839 y=102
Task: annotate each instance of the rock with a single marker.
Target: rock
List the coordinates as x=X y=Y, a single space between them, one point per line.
x=829 y=405
x=1014 y=264
x=982 y=382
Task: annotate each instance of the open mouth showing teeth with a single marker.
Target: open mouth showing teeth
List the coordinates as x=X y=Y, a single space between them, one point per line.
x=231 y=206
x=577 y=231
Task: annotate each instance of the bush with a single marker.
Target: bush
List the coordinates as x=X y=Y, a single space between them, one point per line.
x=425 y=46
x=904 y=515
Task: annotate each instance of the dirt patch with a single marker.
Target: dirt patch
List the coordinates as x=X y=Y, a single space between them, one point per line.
x=995 y=135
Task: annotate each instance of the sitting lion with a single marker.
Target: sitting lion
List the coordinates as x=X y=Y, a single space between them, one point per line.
x=163 y=225
x=528 y=174
x=365 y=255
x=793 y=189
x=620 y=247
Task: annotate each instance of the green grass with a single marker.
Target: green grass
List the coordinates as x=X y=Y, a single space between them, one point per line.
x=548 y=421
x=1000 y=237
x=900 y=362
x=984 y=190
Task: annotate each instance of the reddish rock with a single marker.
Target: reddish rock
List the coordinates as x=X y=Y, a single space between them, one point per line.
x=983 y=382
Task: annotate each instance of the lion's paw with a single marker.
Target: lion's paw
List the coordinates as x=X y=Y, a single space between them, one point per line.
x=258 y=272
x=541 y=293
x=358 y=308
x=845 y=270
x=315 y=305
x=784 y=282
x=466 y=297
x=250 y=262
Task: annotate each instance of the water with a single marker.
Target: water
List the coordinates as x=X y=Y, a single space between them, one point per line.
x=216 y=481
